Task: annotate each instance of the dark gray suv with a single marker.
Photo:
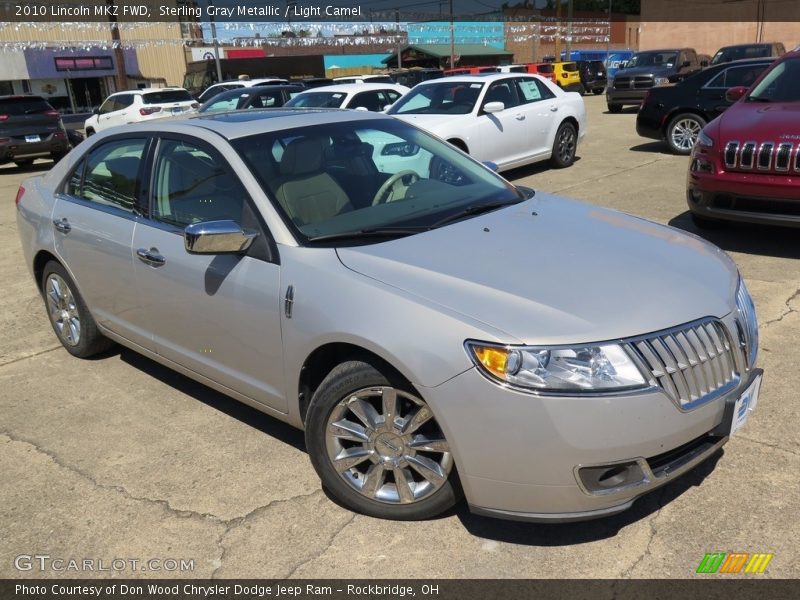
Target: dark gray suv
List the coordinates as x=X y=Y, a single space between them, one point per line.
x=30 y=128
x=646 y=70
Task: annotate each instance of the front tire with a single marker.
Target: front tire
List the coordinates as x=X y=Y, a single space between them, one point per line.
x=615 y=108
x=71 y=320
x=377 y=447
x=598 y=91
x=682 y=132
x=564 y=146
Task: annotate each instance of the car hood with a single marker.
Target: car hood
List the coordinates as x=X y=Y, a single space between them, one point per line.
x=760 y=121
x=555 y=271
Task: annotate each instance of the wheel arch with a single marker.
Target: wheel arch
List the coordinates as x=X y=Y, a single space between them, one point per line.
x=459 y=143
x=39 y=261
x=681 y=111
x=324 y=358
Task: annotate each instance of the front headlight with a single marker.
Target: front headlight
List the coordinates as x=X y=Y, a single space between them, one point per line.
x=748 y=322
x=704 y=140
x=661 y=81
x=575 y=369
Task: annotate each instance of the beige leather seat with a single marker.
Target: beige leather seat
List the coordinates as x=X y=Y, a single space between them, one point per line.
x=307 y=193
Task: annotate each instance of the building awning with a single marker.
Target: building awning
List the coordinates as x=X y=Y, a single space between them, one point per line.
x=439 y=51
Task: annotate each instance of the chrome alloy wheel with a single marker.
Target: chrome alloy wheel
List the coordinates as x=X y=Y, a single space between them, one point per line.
x=63 y=310
x=566 y=145
x=684 y=133
x=387 y=446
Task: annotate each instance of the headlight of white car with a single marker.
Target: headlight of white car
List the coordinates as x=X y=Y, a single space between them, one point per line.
x=558 y=370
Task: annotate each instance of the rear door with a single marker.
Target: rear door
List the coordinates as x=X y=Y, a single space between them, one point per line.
x=94 y=217
x=501 y=137
x=216 y=315
x=541 y=112
x=711 y=97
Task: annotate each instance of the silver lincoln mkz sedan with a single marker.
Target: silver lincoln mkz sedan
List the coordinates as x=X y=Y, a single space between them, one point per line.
x=435 y=330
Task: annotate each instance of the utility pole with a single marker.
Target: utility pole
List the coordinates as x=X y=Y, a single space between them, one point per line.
x=119 y=56
x=569 y=30
x=452 y=39
x=558 y=31
x=397 y=33
x=216 y=42
x=608 y=39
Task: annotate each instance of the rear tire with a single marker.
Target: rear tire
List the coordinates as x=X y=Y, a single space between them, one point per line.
x=682 y=132
x=564 y=146
x=597 y=91
x=70 y=318
x=615 y=108
x=366 y=431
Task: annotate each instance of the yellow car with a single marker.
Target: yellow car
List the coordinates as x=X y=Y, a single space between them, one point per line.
x=567 y=76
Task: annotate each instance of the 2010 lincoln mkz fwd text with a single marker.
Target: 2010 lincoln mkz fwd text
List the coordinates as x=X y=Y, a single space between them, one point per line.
x=435 y=330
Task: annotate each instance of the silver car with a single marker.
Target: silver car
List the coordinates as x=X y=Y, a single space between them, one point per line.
x=435 y=330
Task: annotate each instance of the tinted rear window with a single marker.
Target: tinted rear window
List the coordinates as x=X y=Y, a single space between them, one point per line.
x=167 y=96
x=23 y=106
x=545 y=68
x=570 y=66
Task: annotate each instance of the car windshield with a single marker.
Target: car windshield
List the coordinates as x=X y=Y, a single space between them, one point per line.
x=649 y=59
x=166 y=97
x=225 y=101
x=318 y=100
x=740 y=52
x=440 y=98
x=364 y=181
x=781 y=84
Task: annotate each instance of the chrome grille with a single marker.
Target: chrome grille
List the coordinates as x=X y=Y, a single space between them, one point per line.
x=767 y=156
x=638 y=83
x=692 y=364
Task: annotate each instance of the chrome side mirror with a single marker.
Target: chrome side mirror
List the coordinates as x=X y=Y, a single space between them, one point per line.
x=217 y=237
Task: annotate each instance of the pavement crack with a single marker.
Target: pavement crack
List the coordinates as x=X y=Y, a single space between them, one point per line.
x=653 y=532
x=316 y=555
x=739 y=436
x=789 y=310
x=27 y=356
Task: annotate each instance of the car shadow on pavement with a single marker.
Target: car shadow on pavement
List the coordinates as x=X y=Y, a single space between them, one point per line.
x=33 y=169
x=748 y=238
x=567 y=534
x=529 y=170
x=233 y=408
x=652 y=147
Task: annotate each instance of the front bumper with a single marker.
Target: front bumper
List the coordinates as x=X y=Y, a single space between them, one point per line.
x=625 y=96
x=519 y=455
x=764 y=198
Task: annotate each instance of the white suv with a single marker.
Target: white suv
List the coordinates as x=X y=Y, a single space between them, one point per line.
x=140 y=105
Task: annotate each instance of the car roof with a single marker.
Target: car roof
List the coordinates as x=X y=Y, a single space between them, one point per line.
x=254 y=90
x=356 y=87
x=148 y=90
x=232 y=125
x=747 y=45
x=480 y=78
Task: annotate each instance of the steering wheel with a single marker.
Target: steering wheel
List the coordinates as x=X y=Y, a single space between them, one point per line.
x=385 y=192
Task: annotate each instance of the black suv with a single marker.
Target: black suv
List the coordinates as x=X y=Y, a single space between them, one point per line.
x=741 y=51
x=593 y=76
x=677 y=113
x=646 y=70
x=30 y=128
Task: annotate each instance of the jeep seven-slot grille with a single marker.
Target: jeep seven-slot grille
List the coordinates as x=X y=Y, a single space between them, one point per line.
x=765 y=156
x=692 y=364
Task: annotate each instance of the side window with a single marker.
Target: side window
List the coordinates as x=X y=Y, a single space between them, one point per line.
x=108 y=106
x=718 y=81
x=368 y=100
x=111 y=175
x=124 y=101
x=502 y=91
x=192 y=185
x=532 y=90
x=743 y=75
x=392 y=96
x=73 y=186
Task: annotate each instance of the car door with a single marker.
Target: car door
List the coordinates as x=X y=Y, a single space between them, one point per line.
x=216 y=315
x=107 y=112
x=499 y=137
x=541 y=110
x=94 y=217
x=711 y=97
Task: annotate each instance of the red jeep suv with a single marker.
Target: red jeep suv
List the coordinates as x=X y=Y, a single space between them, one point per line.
x=746 y=163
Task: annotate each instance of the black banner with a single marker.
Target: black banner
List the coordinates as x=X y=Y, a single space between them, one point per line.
x=710 y=587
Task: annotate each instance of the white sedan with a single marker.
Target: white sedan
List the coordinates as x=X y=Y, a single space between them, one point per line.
x=507 y=119
x=374 y=97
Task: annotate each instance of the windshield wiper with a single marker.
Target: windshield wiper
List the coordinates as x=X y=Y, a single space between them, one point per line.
x=369 y=233
x=475 y=209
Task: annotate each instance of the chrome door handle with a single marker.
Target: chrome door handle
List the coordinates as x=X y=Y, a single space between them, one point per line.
x=151 y=257
x=553 y=109
x=520 y=117
x=62 y=225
